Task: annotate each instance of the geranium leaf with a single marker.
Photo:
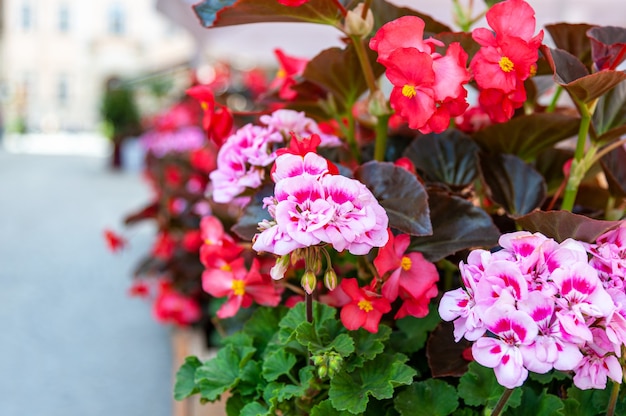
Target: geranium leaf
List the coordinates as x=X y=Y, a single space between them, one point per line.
x=297 y=315
x=479 y=387
x=224 y=371
x=255 y=409
x=527 y=136
x=400 y=193
x=614 y=166
x=611 y=110
x=325 y=408
x=251 y=378
x=219 y=13
x=427 y=398
x=449 y=158
x=339 y=72
x=185 y=379
x=385 y=12
x=573 y=76
x=549 y=376
x=378 y=378
x=572 y=37
x=543 y=404
x=316 y=343
x=248 y=223
x=413 y=332
x=277 y=363
x=263 y=325
x=457 y=224
x=608 y=46
x=444 y=354
x=512 y=183
x=368 y=345
x=561 y=225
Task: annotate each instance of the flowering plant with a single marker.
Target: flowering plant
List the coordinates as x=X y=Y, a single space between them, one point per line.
x=362 y=207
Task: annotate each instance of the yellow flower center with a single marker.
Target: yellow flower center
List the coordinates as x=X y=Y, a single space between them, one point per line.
x=226 y=267
x=408 y=91
x=406 y=263
x=281 y=73
x=209 y=242
x=506 y=64
x=204 y=106
x=239 y=287
x=365 y=305
x=533 y=70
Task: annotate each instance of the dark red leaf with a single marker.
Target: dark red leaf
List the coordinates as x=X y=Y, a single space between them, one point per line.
x=572 y=37
x=562 y=225
x=446 y=358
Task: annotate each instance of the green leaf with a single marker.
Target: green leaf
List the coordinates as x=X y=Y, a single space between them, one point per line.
x=248 y=223
x=277 y=363
x=413 y=332
x=444 y=354
x=367 y=344
x=562 y=225
x=457 y=224
x=479 y=387
x=339 y=71
x=297 y=315
x=185 y=379
x=325 y=408
x=449 y=158
x=251 y=378
x=219 y=13
x=318 y=343
x=263 y=326
x=528 y=135
x=543 y=404
x=377 y=378
x=427 y=398
x=548 y=377
x=572 y=37
x=400 y=193
x=223 y=372
x=593 y=401
x=490 y=3
x=234 y=404
x=255 y=409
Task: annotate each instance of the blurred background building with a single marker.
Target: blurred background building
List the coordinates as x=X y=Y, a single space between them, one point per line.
x=56 y=56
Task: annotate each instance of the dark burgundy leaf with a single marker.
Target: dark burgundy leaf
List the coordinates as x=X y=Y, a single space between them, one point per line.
x=614 y=166
x=562 y=225
x=449 y=157
x=512 y=183
x=445 y=356
x=400 y=193
x=572 y=37
x=611 y=111
x=248 y=224
x=465 y=39
x=148 y=212
x=457 y=225
x=527 y=136
x=385 y=12
x=608 y=46
x=219 y=13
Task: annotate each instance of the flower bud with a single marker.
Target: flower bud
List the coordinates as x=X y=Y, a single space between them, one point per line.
x=318 y=359
x=356 y=25
x=322 y=371
x=377 y=104
x=279 y=269
x=309 y=281
x=330 y=279
x=334 y=364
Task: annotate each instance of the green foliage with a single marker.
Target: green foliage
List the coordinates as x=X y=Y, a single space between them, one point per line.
x=479 y=387
x=185 y=379
x=223 y=372
x=427 y=398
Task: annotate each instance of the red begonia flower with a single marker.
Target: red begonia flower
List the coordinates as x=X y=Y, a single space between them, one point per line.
x=292 y=3
x=192 y=241
x=411 y=73
x=365 y=308
x=217 y=120
x=164 y=246
x=404 y=32
x=289 y=68
x=204 y=159
x=115 y=242
x=171 y=306
x=500 y=106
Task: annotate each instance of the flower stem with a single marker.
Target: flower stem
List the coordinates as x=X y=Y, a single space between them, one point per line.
x=502 y=402
x=366 y=7
x=380 y=145
x=555 y=99
x=342 y=9
x=610 y=411
x=578 y=171
x=368 y=72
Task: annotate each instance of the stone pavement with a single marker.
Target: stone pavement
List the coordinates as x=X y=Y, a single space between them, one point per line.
x=72 y=343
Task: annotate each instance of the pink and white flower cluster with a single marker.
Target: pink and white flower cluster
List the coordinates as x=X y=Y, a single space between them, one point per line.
x=310 y=206
x=543 y=305
x=242 y=159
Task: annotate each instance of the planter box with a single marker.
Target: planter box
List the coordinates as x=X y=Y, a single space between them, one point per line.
x=186 y=342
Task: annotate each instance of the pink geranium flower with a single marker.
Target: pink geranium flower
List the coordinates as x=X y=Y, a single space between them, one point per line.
x=241 y=286
x=365 y=308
